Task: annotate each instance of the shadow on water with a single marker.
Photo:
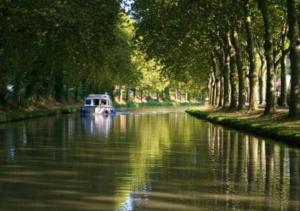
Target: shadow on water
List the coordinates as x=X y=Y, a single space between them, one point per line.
x=142 y=160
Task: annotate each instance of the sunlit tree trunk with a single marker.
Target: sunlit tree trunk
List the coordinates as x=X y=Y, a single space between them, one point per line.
x=282 y=101
x=215 y=81
x=157 y=96
x=213 y=92
x=261 y=77
x=217 y=98
x=121 y=94
x=293 y=35
x=233 y=75
x=221 y=92
x=241 y=74
x=225 y=73
x=220 y=67
x=210 y=89
x=251 y=51
x=176 y=94
x=268 y=46
x=187 y=97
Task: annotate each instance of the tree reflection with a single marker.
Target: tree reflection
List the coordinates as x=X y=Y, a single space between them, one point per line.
x=257 y=167
x=144 y=161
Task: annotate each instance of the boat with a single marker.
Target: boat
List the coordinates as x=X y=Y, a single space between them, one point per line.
x=98 y=104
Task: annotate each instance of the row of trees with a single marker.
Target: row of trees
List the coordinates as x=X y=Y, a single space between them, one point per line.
x=240 y=47
x=63 y=50
x=50 y=46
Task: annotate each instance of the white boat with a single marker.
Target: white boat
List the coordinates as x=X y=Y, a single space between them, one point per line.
x=98 y=104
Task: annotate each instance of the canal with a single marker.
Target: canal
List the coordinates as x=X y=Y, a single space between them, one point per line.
x=145 y=159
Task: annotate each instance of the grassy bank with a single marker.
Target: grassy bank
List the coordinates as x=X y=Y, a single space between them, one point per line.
x=35 y=112
x=275 y=126
x=156 y=104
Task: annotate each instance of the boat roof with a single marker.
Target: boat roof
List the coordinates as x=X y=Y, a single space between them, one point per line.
x=98 y=96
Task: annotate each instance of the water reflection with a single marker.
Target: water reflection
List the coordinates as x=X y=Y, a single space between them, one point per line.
x=98 y=125
x=142 y=161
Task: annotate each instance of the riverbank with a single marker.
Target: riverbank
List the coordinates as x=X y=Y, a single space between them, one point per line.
x=156 y=104
x=276 y=126
x=35 y=112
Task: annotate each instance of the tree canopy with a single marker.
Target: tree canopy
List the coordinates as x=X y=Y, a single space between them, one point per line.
x=238 y=52
x=239 y=48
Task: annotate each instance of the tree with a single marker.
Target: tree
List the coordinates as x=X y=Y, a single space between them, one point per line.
x=268 y=46
x=293 y=36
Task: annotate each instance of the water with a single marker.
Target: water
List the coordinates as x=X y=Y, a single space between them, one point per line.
x=148 y=159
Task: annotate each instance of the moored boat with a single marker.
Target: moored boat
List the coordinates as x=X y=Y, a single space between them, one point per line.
x=98 y=104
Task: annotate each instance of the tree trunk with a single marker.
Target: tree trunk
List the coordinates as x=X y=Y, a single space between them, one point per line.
x=226 y=84
x=283 y=97
x=142 y=95
x=261 y=78
x=233 y=75
x=76 y=93
x=293 y=35
x=217 y=98
x=187 y=97
x=261 y=88
x=241 y=74
x=268 y=46
x=121 y=94
x=220 y=103
x=134 y=94
x=215 y=81
x=126 y=94
x=251 y=51
x=226 y=73
x=31 y=78
x=220 y=67
x=210 y=89
x=167 y=94
x=2 y=94
x=66 y=92
x=58 y=88
x=282 y=101
x=213 y=99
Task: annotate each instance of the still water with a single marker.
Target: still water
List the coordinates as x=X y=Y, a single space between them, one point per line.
x=148 y=159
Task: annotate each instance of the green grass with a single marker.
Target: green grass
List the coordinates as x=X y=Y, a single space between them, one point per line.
x=157 y=104
x=275 y=126
x=38 y=112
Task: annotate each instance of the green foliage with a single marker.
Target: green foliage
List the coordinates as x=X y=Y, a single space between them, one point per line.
x=51 y=47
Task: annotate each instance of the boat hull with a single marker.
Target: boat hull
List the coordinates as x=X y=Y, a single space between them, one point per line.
x=97 y=110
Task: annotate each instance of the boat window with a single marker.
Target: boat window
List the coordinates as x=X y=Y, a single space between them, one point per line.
x=103 y=102
x=96 y=102
x=88 y=102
